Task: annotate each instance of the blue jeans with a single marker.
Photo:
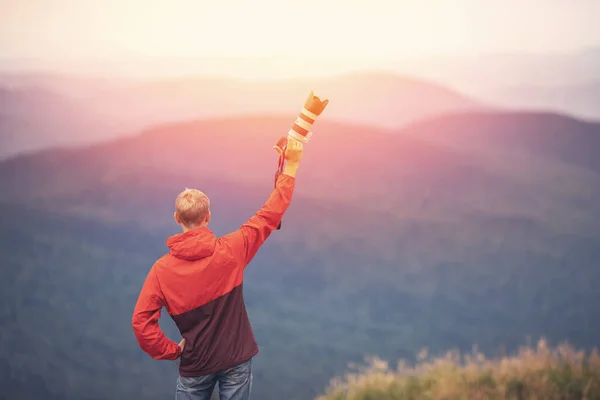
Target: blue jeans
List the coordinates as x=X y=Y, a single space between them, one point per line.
x=234 y=384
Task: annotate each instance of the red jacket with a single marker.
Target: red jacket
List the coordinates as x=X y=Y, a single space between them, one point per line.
x=199 y=282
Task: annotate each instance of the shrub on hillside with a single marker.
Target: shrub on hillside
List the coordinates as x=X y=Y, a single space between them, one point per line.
x=540 y=373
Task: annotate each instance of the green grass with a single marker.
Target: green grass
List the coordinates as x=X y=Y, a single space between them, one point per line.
x=540 y=373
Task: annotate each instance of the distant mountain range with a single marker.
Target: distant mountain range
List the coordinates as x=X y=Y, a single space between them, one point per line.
x=467 y=228
x=580 y=100
x=488 y=71
x=41 y=111
x=35 y=118
x=559 y=82
x=474 y=72
x=75 y=109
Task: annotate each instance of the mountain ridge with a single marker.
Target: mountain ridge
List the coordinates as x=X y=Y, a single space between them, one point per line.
x=426 y=157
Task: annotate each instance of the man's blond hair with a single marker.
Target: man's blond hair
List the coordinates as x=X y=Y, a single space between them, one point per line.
x=192 y=206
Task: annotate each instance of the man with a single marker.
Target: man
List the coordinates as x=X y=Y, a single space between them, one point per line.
x=199 y=282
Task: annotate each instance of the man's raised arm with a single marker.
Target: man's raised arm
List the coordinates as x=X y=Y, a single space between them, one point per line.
x=255 y=231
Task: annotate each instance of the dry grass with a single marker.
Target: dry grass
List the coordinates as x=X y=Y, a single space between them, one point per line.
x=540 y=373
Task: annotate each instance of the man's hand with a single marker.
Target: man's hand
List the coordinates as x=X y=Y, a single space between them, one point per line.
x=293 y=151
x=182 y=344
x=293 y=155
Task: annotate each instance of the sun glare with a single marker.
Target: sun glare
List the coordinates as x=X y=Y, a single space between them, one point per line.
x=262 y=39
x=276 y=38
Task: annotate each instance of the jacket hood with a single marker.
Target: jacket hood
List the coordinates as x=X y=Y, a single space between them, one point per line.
x=192 y=245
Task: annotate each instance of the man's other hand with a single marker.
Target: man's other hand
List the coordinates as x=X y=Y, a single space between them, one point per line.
x=182 y=344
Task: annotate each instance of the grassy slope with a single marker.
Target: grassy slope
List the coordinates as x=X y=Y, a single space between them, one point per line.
x=542 y=372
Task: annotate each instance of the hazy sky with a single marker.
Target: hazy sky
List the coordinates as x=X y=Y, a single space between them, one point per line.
x=64 y=31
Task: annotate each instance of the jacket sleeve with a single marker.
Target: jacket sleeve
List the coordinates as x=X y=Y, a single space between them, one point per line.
x=255 y=231
x=145 y=318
